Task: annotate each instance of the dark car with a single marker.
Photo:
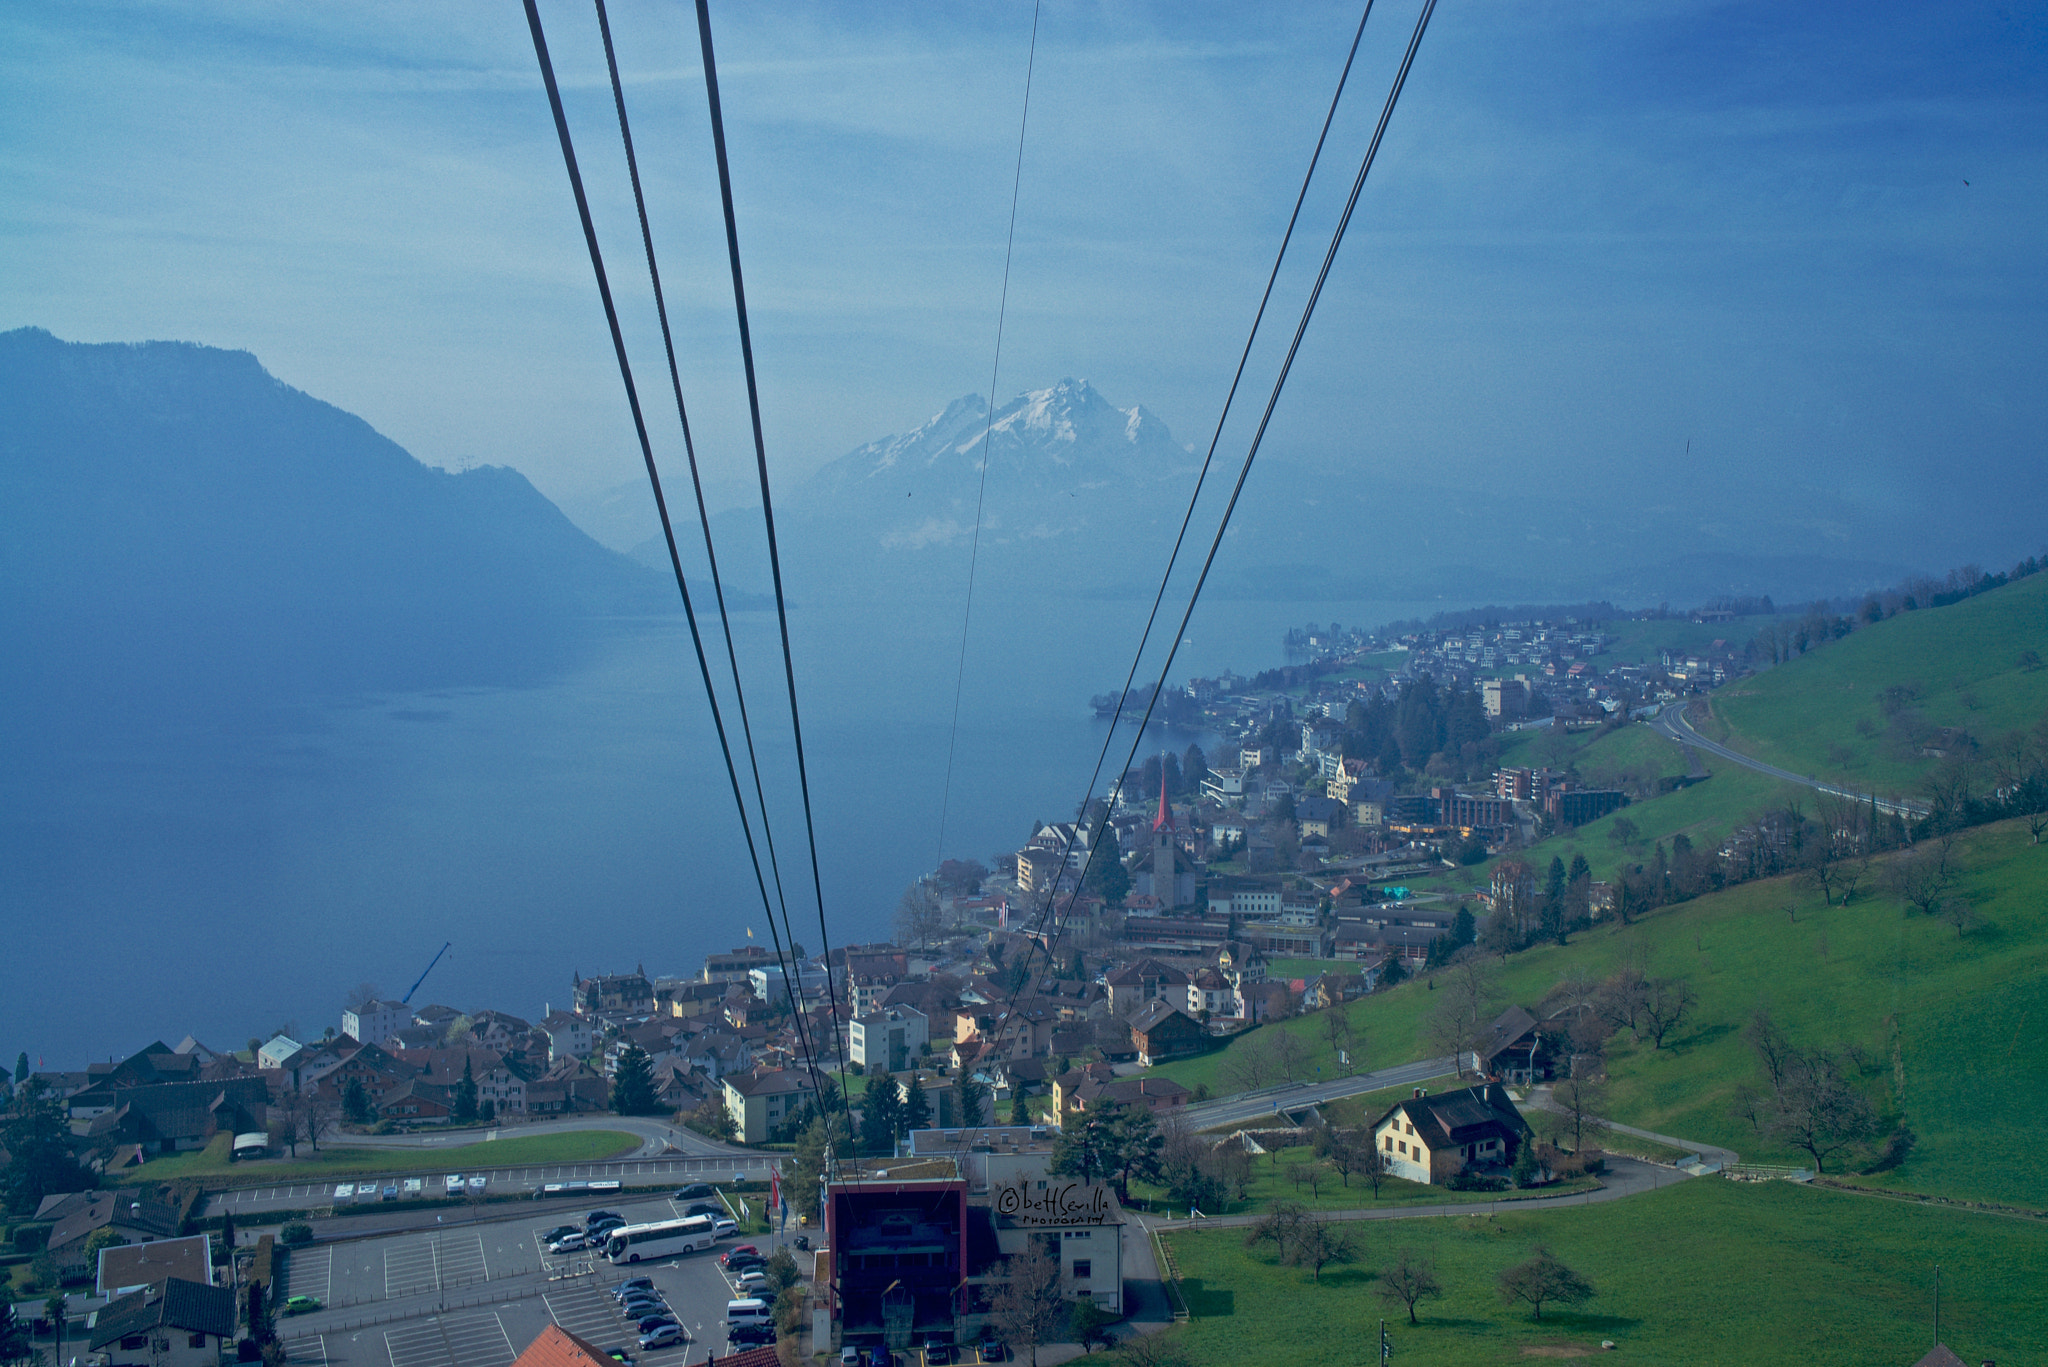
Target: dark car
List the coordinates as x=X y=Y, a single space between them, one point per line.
x=695 y=1190
x=993 y=1350
x=649 y=1323
x=667 y=1336
x=560 y=1232
x=711 y=1208
x=937 y=1353
x=596 y=1217
x=880 y=1356
x=750 y=1333
x=633 y=1307
x=630 y=1285
x=739 y=1251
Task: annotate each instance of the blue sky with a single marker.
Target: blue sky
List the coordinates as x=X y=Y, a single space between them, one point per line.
x=1597 y=232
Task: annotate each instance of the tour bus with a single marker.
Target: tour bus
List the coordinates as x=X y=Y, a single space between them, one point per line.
x=631 y=1243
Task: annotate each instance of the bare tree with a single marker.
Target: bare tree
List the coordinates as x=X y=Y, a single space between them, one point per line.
x=1921 y=877
x=1544 y=1278
x=1818 y=1111
x=363 y=995
x=1250 y=1066
x=1959 y=912
x=1233 y=1167
x=1288 y=1054
x=1460 y=1022
x=1581 y=1101
x=1666 y=1003
x=1411 y=1277
x=1319 y=1243
x=1278 y=1226
x=1030 y=1307
x=1336 y=1026
x=919 y=917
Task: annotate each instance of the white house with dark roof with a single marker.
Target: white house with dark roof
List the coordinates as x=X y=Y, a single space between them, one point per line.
x=1430 y=1139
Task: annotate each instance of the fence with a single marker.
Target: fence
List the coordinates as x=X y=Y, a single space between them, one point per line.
x=1169 y=1277
x=1763 y=1172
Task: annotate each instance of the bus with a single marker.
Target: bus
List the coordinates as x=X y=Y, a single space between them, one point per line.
x=631 y=1243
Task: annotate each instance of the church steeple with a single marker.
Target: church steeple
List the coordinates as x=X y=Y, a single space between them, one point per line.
x=1164 y=821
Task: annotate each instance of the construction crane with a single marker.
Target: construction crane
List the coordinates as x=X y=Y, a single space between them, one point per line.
x=406 y=1000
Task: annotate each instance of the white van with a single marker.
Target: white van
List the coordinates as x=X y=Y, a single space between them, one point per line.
x=752 y=1310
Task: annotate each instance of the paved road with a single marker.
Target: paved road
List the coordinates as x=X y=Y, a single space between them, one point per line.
x=1540 y=1099
x=1209 y=1115
x=1672 y=724
x=656 y=1136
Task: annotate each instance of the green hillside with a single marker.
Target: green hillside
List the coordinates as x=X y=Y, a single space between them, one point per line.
x=1951 y=1025
x=1865 y=708
x=1705 y=1272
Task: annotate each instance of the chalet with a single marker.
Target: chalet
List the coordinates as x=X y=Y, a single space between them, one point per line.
x=1430 y=1139
x=1161 y=1030
x=629 y=993
x=1522 y=1049
x=1144 y=981
x=1210 y=994
x=1159 y=1095
x=173 y=1117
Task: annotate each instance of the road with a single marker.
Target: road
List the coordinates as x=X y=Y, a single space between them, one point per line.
x=1209 y=1115
x=657 y=1137
x=1672 y=724
x=254 y=1201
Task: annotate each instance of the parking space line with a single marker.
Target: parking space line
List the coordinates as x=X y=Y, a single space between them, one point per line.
x=296 y=1350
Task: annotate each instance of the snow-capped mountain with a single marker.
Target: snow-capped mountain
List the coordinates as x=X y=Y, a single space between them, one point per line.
x=1062 y=462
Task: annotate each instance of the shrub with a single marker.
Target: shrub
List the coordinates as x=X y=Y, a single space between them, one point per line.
x=296 y=1232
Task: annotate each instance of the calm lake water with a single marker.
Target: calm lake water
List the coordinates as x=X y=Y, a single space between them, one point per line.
x=226 y=877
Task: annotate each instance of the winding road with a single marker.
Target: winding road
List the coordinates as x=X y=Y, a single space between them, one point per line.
x=1674 y=725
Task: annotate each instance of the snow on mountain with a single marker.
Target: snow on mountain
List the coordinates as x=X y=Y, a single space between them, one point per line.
x=1061 y=461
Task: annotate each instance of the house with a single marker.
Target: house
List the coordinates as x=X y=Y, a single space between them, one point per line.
x=557 y=1347
x=418 y=1100
x=1210 y=994
x=178 y=1323
x=759 y=1102
x=1333 y=989
x=80 y=1215
x=497 y=1080
x=569 y=1035
x=128 y=1267
x=889 y=1039
x=1159 y=1095
x=1317 y=815
x=278 y=1051
x=376 y=1021
x=173 y=1117
x=1161 y=1030
x=1430 y=1139
x=570 y=1087
x=1520 y=1049
x=629 y=993
x=1146 y=980
x=379 y=1073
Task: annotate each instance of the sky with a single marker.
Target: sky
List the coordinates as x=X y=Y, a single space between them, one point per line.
x=1789 y=252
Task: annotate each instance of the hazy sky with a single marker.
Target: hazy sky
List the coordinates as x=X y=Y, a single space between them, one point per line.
x=1805 y=238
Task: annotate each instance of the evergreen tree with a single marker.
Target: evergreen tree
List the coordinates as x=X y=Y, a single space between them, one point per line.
x=1194 y=766
x=971 y=1112
x=1107 y=876
x=355 y=1102
x=633 y=1083
x=21 y=1068
x=1020 y=1110
x=878 y=1107
x=38 y=1142
x=917 y=1107
x=464 y=1109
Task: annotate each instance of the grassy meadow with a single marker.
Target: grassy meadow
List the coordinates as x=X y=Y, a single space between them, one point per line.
x=1705 y=1272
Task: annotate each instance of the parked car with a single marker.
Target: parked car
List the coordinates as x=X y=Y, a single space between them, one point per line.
x=391 y=1191
x=850 y=1356
x=754 y=1284
x=750 y=1333
x=640 y=1307
x=725 y=1229
x=620 y=1356
x=739 y=1251
x=590 y=1221
x=598 y=1231
x=302 y=1305
x=568 y=1243
x=695 y=1190
x=880 y=1356
x=560 y=1232
x=992 y=1349
x=453 y=1181
x=711 y=1208
x=667 y=1336
x=477 y=1184
x=937 y=1353
x=630 y=1285
x=650 y=1323
x=413 y=1187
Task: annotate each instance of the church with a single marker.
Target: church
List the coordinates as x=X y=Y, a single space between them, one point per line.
x=1165 y=871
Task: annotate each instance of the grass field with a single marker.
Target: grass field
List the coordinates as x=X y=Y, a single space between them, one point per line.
x=570 y=1146
x=1706 y=1272
x=1951 y=1025
x=1959 y=663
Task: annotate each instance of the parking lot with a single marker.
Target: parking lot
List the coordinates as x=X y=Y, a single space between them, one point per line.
x=476 y=1295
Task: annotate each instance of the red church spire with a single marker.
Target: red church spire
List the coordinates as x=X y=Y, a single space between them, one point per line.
x=1164 y=821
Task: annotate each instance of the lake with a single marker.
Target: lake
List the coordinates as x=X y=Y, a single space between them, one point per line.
x=228 y=875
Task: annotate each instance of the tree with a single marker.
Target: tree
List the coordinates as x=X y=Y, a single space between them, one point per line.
x=21 y=1063
x=919 y=915
x=1107 y=876
x=1818 y=1111
x=1543 y=1278
x=1959 y=912
x=712 y=1120
x=1666 y=1002
x=1460 y=1022
x=1524 y=1170
x=1319 y=1243
x=1028 y=1307
x=1371 y=1164
x=971 y=1108
x=1410 y=1278
x=1020 y=1109
x=915 y=1110
x=1288 y=1054
x=355 y=1102
x=1088 y=1325
x=1337 y=1034
x=1921 y=878
x=38 y=1141
x=633 y=1083
x=463 y=1112
x=1581 y=1101
x=1131 y=1145
x=1249 y=1064
x=878 y=1115
x=487 y=1110
x=107 y=1237
x=1280 y=1225
x=805 y=1176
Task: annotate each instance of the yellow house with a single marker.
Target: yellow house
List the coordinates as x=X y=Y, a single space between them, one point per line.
x=1430 y=1139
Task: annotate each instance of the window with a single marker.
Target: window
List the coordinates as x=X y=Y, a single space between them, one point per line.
x=196 y=1341
x=1083 y=1268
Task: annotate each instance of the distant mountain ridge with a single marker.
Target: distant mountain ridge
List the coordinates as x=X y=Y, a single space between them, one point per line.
x=173 y=513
